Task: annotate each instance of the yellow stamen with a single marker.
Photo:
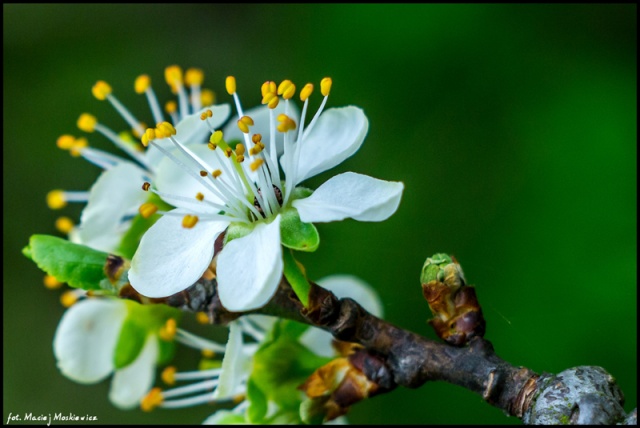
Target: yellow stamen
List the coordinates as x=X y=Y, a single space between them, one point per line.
x=208 y=353
x=260 y=144
x=212 y=146
x=256 y=138
x=199 y=196
x=101 y=90
x=240 y=158
x=152 y=400
x=240 y=149
x=164 y=130
x=51 y=282
x=168 y=330
x=135 y=131
x=228 y=152
x=145 y=186
x=149 y=135
x=203 y=173
x=209 y=113
x=306 y=92
x=207 y=97
x=64 y=224
x=208 y=274
x=216 y=173
x=148 y=209
x=286 y=123
x=173 y=76
x=230 y=84
x=194 y=76
x=65 y=142
x=238 y=398
x=244 y=123
x=79 y=144
x=188 y=221
x=266 y=98
x=142 y=83
x=68 y=298
x=202 y=318
x=168 y=375
x=216 y=137
x=203 y=116
x=256 y=164
x=56 y=200
x=268 y=86
x=87 y=122
x=171 y=107
x=325 y=86
x=284 y=86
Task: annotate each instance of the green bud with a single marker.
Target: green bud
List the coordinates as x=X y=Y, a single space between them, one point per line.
x=442 y=268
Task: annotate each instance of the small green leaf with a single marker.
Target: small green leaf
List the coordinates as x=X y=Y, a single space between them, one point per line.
x=238 y=230
x=130 y=343
x=296 y=278
x=139 y=225
x=296 y=234
x=257 y=403
x=77 y=265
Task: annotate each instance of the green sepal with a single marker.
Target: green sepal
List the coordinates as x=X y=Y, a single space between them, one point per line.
x=258 y=407
x=432 y=270
x=296 y=277
x=139 y=225
x=296 y=234
x=227 y=417
x=130 y=343
x=166 y=352
x=238 y=230
x=77 y=265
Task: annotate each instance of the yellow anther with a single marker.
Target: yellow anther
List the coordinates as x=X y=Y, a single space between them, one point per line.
x=168 y=375
x=152 y=400
x=209 y=113
x=212 y=146
x=208 y=274
x=306 y=92
x=148 y=136
x=256 y=164
x=203 y=173
x=148 y=209
x=199 y=196
x=207 y=97
x=51 y=282
x=254 y=151
x=244 y=123
x=240 y=149
x=203 y=116
x=286 y=123
x=78 y=145
x=260 y=144
x=168 y=330
x=239 y=158
x=202 y=318
x=87 y=122
x=206 y=114
x=283 y=86
x=238 y=398
x=325 y=86
x=289 y=92
x=216 y=137
x=164 y=130
x=171 y=107
x=68 y=298
x=142 y=83
x=101 y=90
x=228 y=152
x=230 y=84
x=173 y=75
x=268 y=97
x=268 y=86
x=208 y=353
x=56 y=199
x=188 y=221
x=194 y=76
x=256 y=138
x=64 y=224
x=135 y=131
x=217 y=173
x=66 y=142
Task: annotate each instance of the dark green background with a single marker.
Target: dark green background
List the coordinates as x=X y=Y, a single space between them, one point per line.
x=513 y=128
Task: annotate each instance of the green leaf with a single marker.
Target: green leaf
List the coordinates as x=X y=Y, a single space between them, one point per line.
x=77 y=265
x=296 y=234
x=130 y=343
x=139 y=225
x=296 y=277
x=226 y=417
x=257 y=403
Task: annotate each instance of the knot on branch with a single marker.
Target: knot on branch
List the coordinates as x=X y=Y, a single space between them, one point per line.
x=577 y=396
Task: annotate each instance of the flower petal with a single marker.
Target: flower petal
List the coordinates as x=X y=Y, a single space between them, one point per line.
x=249 y=268
x=337 y=135
x=234 y=364
x=131 y=383
x=116 y=194
x=319 y=341
x=351 y=195
x=86 y=339
x=172 y=179
x=170 y=257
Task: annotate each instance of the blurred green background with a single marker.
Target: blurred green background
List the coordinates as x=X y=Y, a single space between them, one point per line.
x=513 y=128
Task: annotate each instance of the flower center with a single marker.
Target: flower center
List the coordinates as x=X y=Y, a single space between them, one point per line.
x=276 y=191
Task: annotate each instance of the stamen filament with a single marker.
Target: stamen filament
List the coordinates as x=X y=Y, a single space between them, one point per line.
x=121 y=144
x=126 y=114
x=197 y=342
x=100 y=158
x=154 y=105
x=249 y=328
x=196 y=387
x=187 y=402
x=198 y=374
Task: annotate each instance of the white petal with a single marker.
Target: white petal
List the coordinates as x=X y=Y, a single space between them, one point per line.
x=170 y=257
x=174 y=180
x=337 y=135
x=249 y=268
x=235 y=367
x=131 y=383
x=260 y=116
x=351 y=195
x=319 y=341
x=355 y=288
x=86 y=338
x=116 y=193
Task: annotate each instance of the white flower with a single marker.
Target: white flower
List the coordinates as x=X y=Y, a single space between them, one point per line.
x=84 y=346
x=214 y=187
x=115 y=197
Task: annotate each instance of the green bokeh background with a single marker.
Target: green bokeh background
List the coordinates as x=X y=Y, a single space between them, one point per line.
x=513 y=128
